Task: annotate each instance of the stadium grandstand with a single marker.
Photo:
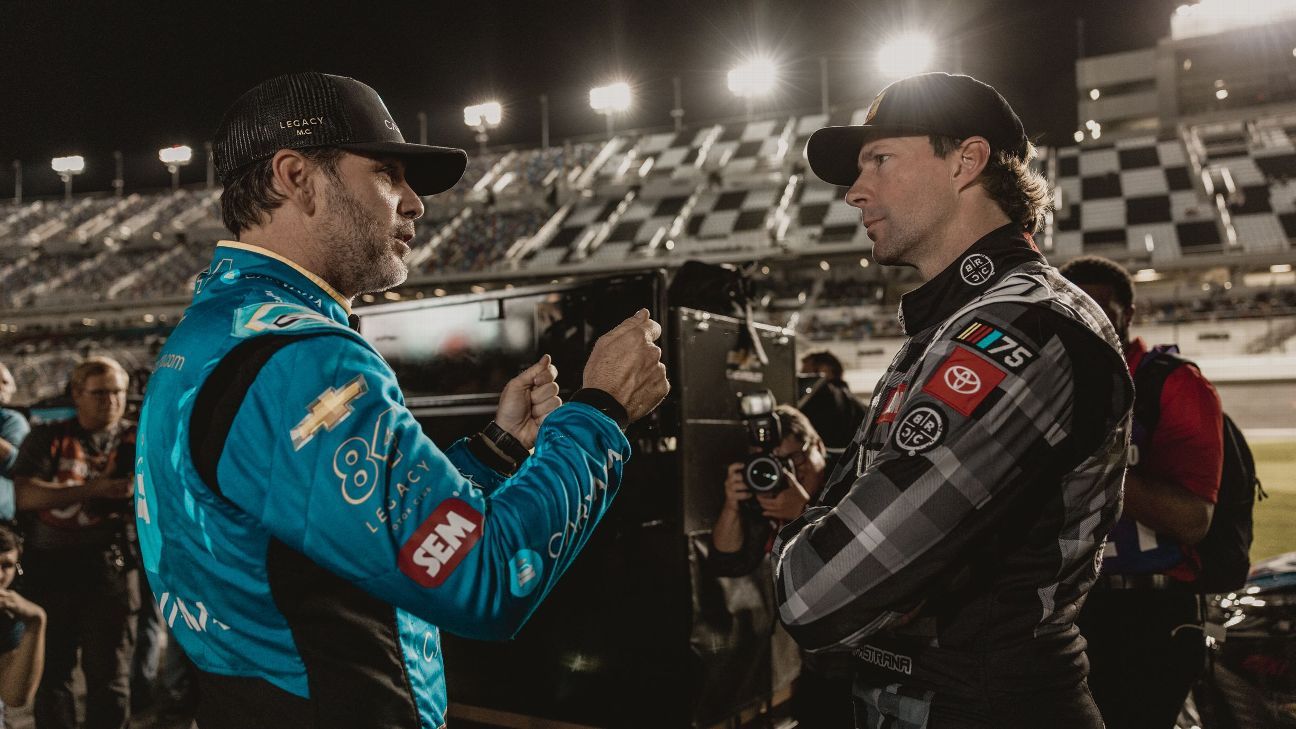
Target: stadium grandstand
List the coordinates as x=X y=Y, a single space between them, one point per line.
x=1206 y=214
x=1198 y=197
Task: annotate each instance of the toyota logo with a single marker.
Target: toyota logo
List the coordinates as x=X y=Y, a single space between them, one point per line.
x=962 y=380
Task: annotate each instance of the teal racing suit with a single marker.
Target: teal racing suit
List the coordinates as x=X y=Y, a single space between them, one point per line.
x=306 y=541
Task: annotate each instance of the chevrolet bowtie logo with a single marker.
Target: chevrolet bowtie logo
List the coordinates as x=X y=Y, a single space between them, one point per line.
x=327 y=410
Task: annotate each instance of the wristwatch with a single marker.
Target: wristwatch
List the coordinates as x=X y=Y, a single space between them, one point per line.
x=496 y=448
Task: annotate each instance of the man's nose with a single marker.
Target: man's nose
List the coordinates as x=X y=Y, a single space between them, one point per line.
x=859 y=193
x=411 y=205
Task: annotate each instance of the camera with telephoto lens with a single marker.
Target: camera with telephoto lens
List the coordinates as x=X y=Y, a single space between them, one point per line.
x=762 y=470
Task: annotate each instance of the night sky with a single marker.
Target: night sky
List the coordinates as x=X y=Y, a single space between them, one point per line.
x=93 y=76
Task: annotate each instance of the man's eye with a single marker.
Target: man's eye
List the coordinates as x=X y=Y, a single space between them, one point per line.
x=878 y=159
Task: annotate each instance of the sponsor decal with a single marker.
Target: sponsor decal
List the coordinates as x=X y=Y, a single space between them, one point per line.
x=873 y=108
x=327 y=410
x=976 y=269
x=301 y=127
x=170 y=361
x=894 y=400
x=885 y=659
x=222 y=268
x=921 y=430
x=441 y=543
x=194 y=616
x=964 y=380
x=996 y=345
x=359 y=463
x=524 y=572
x=277 y=316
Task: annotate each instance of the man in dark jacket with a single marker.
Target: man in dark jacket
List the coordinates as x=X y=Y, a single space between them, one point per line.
x=969 y=514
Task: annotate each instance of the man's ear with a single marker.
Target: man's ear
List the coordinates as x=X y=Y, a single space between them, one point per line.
x=292 y=179
x=972 y=156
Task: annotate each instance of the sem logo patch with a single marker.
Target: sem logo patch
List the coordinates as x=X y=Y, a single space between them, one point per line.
x=921 y=430
x=994 y=343
x=441 y=543
x=964 y=380
x=976 y=269
x=524 y=572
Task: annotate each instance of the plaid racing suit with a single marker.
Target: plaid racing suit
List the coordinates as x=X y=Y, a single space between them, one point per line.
x=953 y=545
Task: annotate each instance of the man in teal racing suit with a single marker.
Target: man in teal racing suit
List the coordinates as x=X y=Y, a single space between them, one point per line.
x=303 y=538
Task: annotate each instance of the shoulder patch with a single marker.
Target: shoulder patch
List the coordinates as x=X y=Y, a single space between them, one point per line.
x=976 y=269
x=963 y=380
x=920 y=430
x=273 y=316
x=441 y=543
x=996 y=344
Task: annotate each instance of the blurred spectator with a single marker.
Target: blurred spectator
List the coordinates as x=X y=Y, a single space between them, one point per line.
x=1141 y=619
x=73 y=481
x=13 y=429
x=831 y=407
x=483 y=239
x=22 y=629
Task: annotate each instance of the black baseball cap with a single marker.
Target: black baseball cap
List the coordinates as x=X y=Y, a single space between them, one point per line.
x=301 y=110
x=928 y=103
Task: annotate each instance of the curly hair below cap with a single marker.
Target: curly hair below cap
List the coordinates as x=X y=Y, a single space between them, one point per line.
x=1022 y=193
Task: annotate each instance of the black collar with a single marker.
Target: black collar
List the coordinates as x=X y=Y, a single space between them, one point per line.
x=975 y=270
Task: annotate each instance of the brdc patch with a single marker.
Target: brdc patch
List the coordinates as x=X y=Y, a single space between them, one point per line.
x=920 y=430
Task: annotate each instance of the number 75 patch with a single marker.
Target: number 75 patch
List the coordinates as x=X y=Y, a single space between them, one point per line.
x=997 y=345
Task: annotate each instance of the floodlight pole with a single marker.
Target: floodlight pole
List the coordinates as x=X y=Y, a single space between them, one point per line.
x=544 y=121
x=678 y=112
x=17 y=167
x=211 y=165
x=119 y=182
x=422 y=124
x=67 y=186
x=823 y=83
x=611 y=127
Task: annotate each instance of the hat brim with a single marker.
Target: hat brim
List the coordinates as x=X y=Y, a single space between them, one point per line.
x=429 y=170
x=833 y=152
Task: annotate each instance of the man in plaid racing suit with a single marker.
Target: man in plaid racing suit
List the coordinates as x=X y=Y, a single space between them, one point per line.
x=956 y=540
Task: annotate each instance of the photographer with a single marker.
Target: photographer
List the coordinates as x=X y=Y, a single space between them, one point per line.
x=748 y=520
x=71 y=479
x=742 y=537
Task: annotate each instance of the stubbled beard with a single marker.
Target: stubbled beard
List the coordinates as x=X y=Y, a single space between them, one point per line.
x=359 y=247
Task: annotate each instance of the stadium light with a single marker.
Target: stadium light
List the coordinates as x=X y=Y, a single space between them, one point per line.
x=1078 y=136
x=175 y=157
x=906 y=54
x=609 y=100
x=67 y=168
x=483 y=117
x=753 y=79
x=1094 y=94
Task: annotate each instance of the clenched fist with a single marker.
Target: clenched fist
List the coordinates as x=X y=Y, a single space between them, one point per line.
x=627 y=365
x=527 y=400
